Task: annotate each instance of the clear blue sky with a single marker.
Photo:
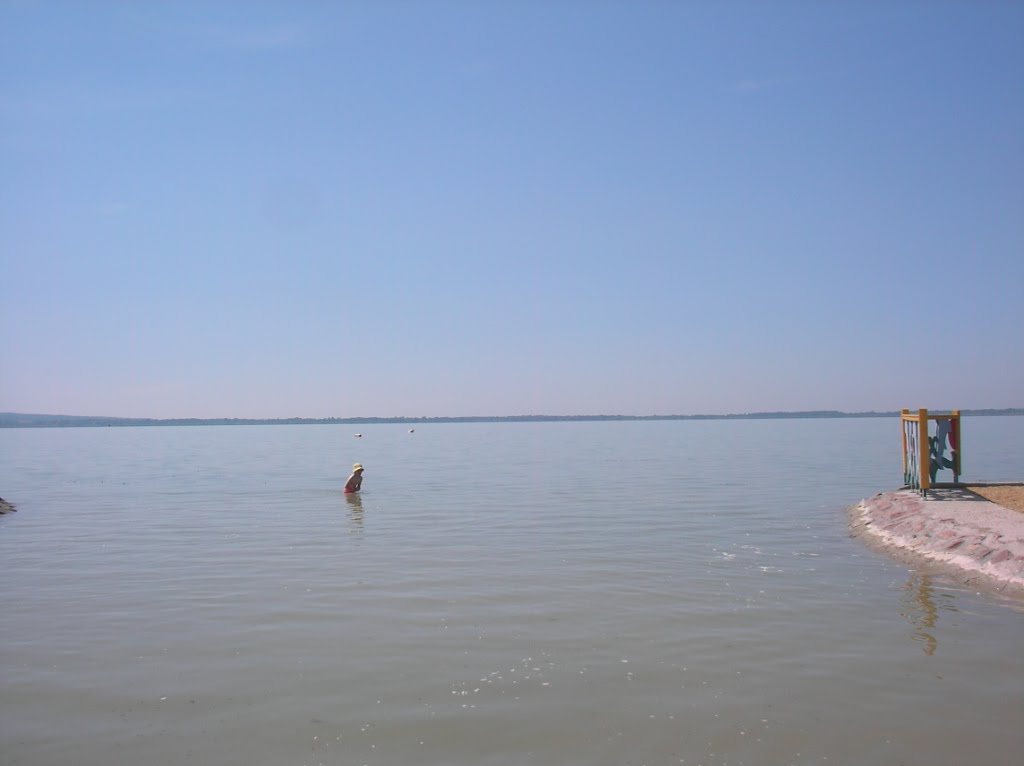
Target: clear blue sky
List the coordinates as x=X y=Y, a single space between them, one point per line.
x=457 y=208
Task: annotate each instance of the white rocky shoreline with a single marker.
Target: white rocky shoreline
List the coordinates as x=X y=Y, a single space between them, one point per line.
x=973 y=540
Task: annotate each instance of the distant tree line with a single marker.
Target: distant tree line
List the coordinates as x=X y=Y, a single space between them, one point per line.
x=16 y=420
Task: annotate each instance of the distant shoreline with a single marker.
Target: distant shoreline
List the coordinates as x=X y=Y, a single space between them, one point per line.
x=17 y=420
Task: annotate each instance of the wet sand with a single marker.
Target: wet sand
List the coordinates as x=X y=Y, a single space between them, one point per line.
x=974 y=534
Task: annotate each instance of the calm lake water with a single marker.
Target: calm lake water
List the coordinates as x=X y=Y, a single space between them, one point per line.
x=672 y=592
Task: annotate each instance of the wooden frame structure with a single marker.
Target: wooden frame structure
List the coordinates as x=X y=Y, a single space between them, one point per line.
x=923 y=454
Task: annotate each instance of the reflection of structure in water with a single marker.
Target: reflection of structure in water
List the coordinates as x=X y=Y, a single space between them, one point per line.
x=921 y=611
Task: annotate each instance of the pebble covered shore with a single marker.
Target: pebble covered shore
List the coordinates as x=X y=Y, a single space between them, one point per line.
x=975 y=540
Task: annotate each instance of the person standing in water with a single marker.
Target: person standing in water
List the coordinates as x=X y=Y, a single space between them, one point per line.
x=355 y=481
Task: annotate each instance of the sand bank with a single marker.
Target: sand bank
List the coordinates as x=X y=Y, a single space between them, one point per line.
x=977 y=541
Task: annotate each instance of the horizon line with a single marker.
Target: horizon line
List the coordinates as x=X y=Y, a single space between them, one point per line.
x=14 y=419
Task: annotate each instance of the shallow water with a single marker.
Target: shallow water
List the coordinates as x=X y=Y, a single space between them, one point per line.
x=517 y=593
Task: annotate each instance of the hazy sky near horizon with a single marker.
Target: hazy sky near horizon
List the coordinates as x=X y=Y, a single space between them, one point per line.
x=317 y=209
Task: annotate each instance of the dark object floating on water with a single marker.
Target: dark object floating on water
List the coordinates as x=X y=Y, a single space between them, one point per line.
x=6 y=507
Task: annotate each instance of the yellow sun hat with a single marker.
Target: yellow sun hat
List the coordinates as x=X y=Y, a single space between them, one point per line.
x=357 y=466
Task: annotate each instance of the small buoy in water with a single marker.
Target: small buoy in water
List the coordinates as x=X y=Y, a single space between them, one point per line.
x=359 y=436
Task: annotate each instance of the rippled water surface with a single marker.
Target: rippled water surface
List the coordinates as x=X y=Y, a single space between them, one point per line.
x=672 y=592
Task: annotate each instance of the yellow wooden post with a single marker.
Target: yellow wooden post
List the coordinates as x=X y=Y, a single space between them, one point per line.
x=956 y=446
x=903 y=428
x=924 y=453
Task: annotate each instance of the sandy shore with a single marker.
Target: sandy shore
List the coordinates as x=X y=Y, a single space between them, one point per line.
x=974 y=534
x=1007 y=495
